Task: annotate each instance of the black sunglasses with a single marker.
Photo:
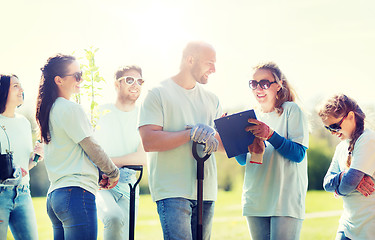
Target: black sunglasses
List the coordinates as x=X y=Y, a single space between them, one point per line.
x=264 y=84
x=76 y=75
x=336 y=126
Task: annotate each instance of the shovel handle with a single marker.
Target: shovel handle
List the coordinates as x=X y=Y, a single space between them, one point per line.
x=196 y=155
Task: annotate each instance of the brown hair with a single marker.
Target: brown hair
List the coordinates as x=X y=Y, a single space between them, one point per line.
x=122 y=70
x=48 y=90
x=339 y=106
x=286 y=93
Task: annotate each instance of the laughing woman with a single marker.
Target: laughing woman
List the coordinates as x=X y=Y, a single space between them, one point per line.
x=70 y=152
x=274 y=191
x=16 y=208
x=352 y=170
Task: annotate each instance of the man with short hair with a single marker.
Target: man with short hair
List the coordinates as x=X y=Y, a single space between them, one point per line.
x=167 y=110
x=118 y=134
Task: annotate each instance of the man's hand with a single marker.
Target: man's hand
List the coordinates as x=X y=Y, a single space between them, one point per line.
x=366 y=186
x=260 y=129
x=211 y=145
x=200 y=133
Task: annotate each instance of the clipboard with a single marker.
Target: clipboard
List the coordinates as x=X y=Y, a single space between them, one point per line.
x=232 y=132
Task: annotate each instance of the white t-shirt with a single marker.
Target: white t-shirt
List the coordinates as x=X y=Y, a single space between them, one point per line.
x=66 y=163
x=173 y=173
x=278 y=186
x=117 y=133
x=358 y=218
x=19 y=133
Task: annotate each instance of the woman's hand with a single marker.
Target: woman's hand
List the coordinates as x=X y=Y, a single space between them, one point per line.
x=108 y=183
x=366 y=186
x=260 y=129
x=257 y=146
x=38 y=150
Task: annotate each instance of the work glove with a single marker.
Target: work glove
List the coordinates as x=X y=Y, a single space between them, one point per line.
x=366 y=186
x=200 y=133
x=211 y=145
x=260 y=129
x=257 y=149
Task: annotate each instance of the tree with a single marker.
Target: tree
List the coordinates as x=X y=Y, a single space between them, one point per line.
x=92 y=82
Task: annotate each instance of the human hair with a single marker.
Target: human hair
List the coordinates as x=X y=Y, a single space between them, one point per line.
x=339 y=106
x=4 y=90
x=286 y=93
x=122 y=70
x=48 y=90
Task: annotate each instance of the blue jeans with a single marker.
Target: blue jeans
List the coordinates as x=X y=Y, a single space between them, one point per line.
x=17 y=211
x=341 y=236
x=113 y=211
x=178 y=218
x=280 y=228
x=72 y=211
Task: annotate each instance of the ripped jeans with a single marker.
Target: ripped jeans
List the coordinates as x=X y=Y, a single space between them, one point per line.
x=17 y=211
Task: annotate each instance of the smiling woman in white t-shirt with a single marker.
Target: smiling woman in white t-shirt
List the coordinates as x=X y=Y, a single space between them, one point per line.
x=16 y=208
x=70 y=152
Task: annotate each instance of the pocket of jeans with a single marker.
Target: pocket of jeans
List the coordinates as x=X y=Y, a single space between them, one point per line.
x=61 y=200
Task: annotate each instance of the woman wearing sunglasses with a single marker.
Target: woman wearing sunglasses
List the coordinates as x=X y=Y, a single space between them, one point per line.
x=352 y=169
x=275 y=187
x=16 y=208
x=70 y=152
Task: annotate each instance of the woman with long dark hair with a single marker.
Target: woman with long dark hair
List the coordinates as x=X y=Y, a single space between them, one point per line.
x=16 y=208
x=71 y=153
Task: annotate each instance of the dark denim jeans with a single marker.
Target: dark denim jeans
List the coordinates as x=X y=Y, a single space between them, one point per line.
x=72 y=211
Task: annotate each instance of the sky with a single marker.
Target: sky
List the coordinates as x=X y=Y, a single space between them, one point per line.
x=323 y=47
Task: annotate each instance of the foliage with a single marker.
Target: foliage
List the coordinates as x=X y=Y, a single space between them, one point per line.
x=229 y=173
x=228 y=222
x=319 y=158
x=92 y=82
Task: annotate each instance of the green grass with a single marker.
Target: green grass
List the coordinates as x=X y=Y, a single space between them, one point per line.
x=228 y=220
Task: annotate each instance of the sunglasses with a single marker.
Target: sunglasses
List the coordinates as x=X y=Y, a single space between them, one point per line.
x=76 y=75
x=336 y=126
x=263 y=84
x=130 y=80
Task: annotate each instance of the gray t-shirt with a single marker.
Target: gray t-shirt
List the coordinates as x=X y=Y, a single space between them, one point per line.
x=66 y=162
x=173 y=173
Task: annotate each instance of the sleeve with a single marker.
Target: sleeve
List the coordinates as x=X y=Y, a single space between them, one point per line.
x=241 y=159
x=349 y=182
x=287 y=148
x=332 y=178
x=297 y=126
x=76 y=124
x=151 y=110
x=99 y=157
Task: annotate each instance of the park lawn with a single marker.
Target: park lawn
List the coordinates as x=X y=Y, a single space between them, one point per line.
x=228 y=220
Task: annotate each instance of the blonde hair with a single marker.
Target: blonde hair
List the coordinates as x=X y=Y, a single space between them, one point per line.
x=339 y=106
x=286 y=93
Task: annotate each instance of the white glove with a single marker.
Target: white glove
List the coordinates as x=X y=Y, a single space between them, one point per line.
x=211 y=145
x=200 y=132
